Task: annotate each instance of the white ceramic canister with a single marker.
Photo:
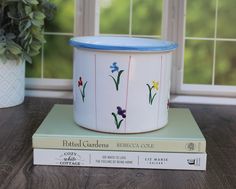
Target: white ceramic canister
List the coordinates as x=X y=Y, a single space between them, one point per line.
x=121 y=84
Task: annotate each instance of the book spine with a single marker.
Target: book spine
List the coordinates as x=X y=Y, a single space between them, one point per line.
x=147 y=160
x=122 y=145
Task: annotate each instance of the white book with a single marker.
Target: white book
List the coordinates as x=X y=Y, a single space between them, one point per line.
x=118 y=159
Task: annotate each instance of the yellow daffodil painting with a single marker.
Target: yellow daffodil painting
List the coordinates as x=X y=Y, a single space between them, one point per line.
x=155 y=85
x=151 y=89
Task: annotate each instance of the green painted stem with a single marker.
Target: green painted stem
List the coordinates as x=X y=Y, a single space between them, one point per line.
x=117 y=80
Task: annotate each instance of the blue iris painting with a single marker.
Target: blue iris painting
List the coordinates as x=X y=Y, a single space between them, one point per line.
x=120 y=113
x=116 y=78
x=114 y=67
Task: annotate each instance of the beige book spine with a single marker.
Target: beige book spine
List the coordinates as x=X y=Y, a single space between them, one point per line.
x=125 y=145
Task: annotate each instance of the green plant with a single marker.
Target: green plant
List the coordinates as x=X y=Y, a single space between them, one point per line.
x=21 y=27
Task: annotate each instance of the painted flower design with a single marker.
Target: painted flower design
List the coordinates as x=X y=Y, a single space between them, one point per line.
x=82 y=87
x=114 y=67
x=80 y=82
x=120 y=113
x=116 y=78
x=151 y=89
x=155 y=85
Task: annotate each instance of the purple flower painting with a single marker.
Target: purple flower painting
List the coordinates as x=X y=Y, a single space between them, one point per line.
x=120 y=113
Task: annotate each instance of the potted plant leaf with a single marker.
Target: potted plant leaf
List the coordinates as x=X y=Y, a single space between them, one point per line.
x=21 y=38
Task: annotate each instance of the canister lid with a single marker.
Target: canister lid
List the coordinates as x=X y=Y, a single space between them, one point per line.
x=123 y=43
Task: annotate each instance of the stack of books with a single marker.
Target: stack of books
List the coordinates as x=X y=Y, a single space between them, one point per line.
x=180 y=145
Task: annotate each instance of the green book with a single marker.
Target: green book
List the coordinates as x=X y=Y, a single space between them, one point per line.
x=59 y=131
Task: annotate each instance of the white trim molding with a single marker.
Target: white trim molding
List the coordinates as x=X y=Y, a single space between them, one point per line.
x=49 y=94
x=208 y=90
x=48 y=84
x=87 y=17
x=173 y=29
x=186 y=99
